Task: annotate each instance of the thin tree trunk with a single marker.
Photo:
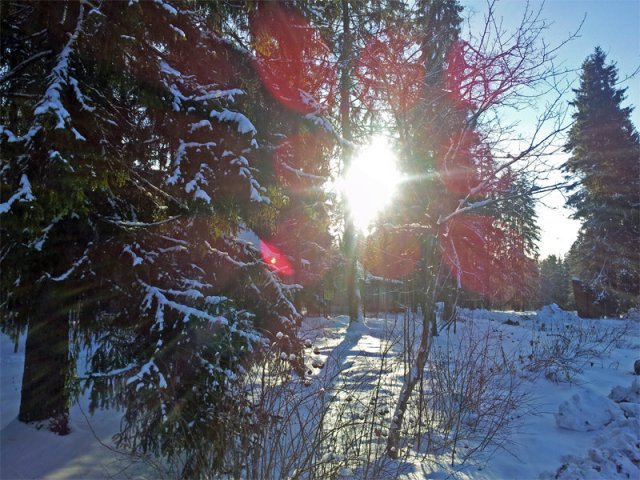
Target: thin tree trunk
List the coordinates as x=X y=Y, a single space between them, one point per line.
x=44 y=392
x=351 y=277
x=416 y=371
x=414 y=376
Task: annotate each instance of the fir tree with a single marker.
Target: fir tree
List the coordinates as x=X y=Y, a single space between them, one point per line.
x=605 y=148
x=554 y=282
x=137 y=154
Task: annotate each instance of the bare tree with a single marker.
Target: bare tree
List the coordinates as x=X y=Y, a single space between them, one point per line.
x=465 y=155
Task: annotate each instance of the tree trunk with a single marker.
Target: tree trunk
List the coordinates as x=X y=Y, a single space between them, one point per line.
x=414 y=375
x=350 y=235
x=416 y=371
x=44 y=392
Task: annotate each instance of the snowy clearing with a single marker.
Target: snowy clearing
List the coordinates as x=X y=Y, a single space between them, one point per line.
x=574 y=411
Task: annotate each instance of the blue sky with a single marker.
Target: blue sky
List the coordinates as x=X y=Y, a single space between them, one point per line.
x=614 y=25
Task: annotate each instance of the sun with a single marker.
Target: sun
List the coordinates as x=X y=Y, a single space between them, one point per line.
x=370 y=182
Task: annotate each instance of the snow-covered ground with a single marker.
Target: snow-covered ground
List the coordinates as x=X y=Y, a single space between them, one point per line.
x=576 y=402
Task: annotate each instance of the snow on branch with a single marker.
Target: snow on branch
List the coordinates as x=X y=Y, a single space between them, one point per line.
x=59 y=77
x=111 y=373
x=155 y=293
x=136 y=259
x=272 y=279
x=133 y=224
x=244 y=124
x=22 y=195
x=74 y=266
x=227 y=257
x=148 y=369
x=227 y=94
x=256 y=190
x=181 y=153
x=166 y=7
x=301 y=173
x=39 y=243
x=194 y=186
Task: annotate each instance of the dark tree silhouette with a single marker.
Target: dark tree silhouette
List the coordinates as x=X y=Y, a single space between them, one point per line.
x=605 y=148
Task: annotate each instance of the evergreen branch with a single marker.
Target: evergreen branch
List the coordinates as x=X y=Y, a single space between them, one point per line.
x=22 y=65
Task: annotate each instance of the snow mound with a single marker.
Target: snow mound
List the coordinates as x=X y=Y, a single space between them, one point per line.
x=615 y=454
x=616 y=450
x=633 y=314
x=621 y=394
x=553 y=313
x=587 y=411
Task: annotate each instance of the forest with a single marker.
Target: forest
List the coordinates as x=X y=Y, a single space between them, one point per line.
x=200 y=228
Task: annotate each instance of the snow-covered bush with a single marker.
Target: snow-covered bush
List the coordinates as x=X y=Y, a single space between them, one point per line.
x=553 y=314
x=630 y=394
x=472 y=396
x=563 y=344
x=324 y=425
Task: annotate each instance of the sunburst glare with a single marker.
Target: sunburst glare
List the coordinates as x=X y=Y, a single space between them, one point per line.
x=370 y=182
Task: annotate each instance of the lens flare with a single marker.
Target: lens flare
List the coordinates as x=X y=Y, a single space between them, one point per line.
x=275 y=259
x=370 y=182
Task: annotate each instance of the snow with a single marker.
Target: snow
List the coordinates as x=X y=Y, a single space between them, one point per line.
x=23 y=194
x=198 y=192
x=244 y=124
x=166 y=7
x=135 y=258
x=154 y=293
x=38 y=244
x=59 y=77
x=255 y=189
x=168 y=69
x=584 y=428
x=626 y=395
x=79 y=95
x=201 y=124
x=227 y=94
x=71 y=269
x=587 y=411
x=29 y=452
x=178 y=31
x=148 y=368
x=180 y=155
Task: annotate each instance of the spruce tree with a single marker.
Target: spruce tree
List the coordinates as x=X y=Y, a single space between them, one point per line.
x=604 y=150
x=514 y=253
x=137 y=154
x=554 y=282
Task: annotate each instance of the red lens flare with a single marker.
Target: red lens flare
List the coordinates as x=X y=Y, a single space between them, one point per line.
x=474 y=78
x=485 y=257
x=275 y=259
x=291 y=58
x=466 y=253
x=463 y=162
x=390 y=65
